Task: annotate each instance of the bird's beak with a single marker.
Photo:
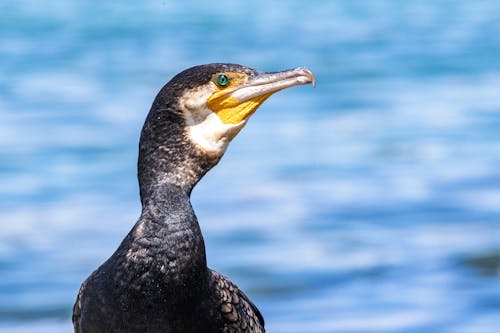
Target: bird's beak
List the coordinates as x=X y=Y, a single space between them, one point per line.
x=240 y=100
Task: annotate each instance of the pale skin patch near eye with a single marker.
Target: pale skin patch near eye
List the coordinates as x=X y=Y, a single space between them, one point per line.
x=204 y=128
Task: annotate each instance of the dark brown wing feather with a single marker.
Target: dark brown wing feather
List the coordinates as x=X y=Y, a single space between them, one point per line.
x=239 y=313
x=77 y=308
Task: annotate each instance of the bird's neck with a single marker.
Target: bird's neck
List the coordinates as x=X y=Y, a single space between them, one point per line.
x=167 y=240
x=166 y=155
x=163 y=167
x=168 y=235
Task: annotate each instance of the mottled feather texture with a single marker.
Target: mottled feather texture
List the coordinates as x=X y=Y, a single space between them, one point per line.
x=157 y=280
x=239 y=313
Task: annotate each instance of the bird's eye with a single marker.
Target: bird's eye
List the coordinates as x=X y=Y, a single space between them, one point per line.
x=222 y=80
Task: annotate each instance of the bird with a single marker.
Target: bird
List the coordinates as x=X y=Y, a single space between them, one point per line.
x=158 y=280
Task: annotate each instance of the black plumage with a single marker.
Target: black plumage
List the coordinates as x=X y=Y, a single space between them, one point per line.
x=158 y=280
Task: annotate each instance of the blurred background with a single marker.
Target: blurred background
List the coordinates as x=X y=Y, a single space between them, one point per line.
x=368 y=204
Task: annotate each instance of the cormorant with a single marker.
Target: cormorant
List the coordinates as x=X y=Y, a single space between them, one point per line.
x=158 y=280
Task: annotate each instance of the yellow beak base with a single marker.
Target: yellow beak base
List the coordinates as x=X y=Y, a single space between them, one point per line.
x=238 y=101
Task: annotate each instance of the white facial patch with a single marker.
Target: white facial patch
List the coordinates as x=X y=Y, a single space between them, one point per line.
x=205 y=129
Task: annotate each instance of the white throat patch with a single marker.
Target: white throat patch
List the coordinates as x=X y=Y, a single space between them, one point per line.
x=204 y=127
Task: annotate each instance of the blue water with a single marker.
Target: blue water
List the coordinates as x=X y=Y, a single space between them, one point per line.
x=368 y=204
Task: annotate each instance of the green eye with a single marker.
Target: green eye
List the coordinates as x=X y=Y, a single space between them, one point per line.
x=222 y=80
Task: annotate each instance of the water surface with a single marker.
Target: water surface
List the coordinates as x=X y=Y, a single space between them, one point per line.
x=370 y=204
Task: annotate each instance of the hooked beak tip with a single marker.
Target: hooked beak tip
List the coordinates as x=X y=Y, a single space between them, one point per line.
x=308 y=74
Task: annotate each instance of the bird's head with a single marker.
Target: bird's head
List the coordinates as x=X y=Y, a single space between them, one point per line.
x=206 y=106
x=217 y=100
